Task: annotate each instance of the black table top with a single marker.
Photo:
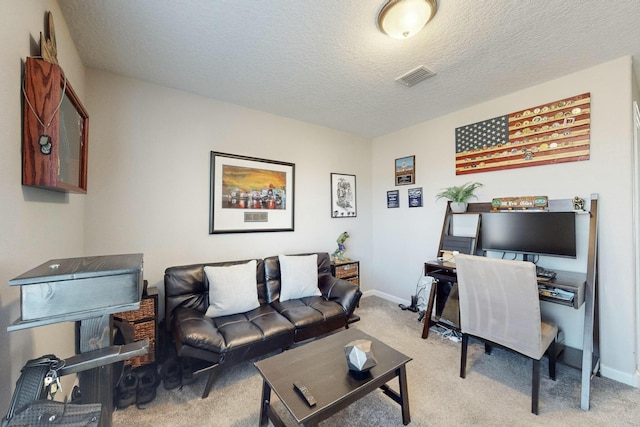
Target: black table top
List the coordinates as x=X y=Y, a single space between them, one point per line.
x=321 y=366
x=78 y=268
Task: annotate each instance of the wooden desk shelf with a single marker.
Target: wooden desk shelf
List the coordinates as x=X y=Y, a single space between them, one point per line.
x=583 y=285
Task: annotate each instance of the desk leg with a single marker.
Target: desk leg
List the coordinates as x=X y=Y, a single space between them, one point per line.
x=427 y=316
x=404 y=395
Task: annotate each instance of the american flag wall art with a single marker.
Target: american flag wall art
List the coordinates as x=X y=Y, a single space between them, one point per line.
x=556 y=132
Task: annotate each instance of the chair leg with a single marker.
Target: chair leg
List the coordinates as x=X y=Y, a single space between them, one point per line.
x=553 y=356
x=487 y=348
x=535 y=386
x=463 y=355
x=207 y=388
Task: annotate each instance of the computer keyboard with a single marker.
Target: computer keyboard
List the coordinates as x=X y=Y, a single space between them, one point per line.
x=545 y=274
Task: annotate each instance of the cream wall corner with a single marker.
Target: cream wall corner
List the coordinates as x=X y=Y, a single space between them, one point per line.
x=37 y=225
x=636 y=216
x=405 y=238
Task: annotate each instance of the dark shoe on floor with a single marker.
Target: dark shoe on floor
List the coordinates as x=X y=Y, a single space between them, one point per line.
x=171 y=375
x=148 y=380
x=186 y=370
x=126 y=391
x=76 y=396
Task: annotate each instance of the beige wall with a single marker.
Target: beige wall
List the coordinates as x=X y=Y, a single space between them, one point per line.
x=636 y=216
x=149 y=177
x=608 y=172
x=37 y=225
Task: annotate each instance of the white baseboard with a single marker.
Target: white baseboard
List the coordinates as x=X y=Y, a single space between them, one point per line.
x=385 y=296
x=636 y=379
x=622 y=377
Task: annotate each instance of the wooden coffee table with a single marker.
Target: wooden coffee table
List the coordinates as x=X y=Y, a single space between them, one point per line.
x=321 y=366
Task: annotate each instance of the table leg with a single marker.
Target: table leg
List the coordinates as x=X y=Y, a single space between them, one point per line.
x=264 y=404
x=404 y=395
x=266 y=411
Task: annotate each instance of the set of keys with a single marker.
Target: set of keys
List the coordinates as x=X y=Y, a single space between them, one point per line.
x=52 y=380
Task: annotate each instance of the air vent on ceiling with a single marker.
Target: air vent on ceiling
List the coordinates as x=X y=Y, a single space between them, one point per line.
x=415 y=76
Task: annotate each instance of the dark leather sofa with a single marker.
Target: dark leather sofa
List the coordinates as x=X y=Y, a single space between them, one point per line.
x=274 y=325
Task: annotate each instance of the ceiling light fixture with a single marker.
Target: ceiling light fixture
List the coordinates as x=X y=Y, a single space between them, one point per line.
x=402 y=19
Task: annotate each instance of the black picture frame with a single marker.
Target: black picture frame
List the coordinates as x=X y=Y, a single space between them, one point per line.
x=393 y=199
x=405 y=170
x=249 y=194
x=415 y=197
x=343 y=196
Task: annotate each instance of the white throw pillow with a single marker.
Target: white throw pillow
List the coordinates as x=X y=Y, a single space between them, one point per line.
x=232 y=289
x=298 y=276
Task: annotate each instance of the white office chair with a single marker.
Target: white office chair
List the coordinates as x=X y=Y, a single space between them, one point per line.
x=499 y=304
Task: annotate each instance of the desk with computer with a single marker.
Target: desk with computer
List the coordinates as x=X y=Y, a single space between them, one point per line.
x=539 y=236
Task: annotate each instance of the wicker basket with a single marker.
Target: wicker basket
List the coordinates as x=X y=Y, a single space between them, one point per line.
x=146 y=311
x=346 y=270
x=355 y=280
x=142 y=330
x=144 y=325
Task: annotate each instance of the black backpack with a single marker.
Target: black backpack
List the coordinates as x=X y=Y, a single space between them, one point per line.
x=30 y=405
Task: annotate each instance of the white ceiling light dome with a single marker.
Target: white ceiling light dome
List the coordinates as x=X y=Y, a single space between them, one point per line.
x=402 y=19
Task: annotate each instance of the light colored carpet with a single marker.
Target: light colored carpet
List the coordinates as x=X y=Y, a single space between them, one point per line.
x=496 y=391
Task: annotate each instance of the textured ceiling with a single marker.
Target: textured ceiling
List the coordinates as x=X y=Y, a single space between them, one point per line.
x=325 y=61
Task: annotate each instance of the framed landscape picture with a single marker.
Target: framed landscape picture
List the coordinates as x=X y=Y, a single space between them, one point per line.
x=405 y=170
x=343 y=196
x=248 y=194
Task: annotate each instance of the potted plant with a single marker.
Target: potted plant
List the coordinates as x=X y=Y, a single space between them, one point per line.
x=459 y=195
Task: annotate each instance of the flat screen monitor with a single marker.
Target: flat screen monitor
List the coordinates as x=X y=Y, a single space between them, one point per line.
x=535 y=233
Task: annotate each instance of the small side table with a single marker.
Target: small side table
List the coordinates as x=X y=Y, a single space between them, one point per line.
x=347 y=269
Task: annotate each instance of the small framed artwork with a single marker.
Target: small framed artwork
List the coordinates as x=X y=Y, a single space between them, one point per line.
x=250 y=194
x=393 y=199
x=405 y=170
x=415 y=197
x=343 y=196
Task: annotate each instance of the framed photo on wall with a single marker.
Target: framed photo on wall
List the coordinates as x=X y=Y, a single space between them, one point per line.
x=343 y=196
x=393 y=199
x=415 y=197
x=405 y=170
x=248 y=194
